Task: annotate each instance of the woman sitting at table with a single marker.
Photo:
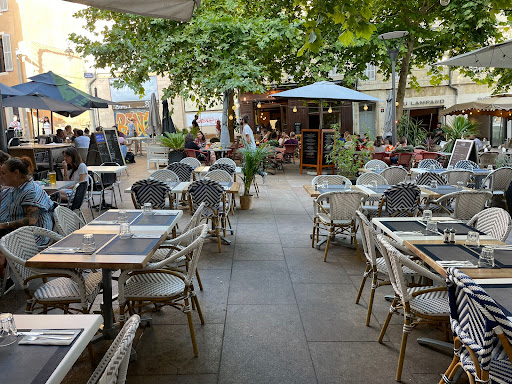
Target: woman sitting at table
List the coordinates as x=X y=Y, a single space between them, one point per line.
x=389 y=147
x=201 y=140
x=378 y=145
x=73 y=169
x=22 y=203
x=191 y=144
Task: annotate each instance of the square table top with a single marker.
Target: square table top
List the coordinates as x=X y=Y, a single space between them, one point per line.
x=42 y=146
x=59 y=185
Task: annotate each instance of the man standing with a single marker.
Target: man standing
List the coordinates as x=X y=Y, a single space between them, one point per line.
x=247 y=133
x=15 y=124
x=132 y=132
x=194 y=122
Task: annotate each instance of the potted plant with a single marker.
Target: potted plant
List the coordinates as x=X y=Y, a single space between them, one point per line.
x=458 y=129
x=176 y=144
x=251 y=161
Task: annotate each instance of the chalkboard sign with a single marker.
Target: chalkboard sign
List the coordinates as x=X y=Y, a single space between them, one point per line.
x=309 y=147
x=297 y=127
x=113 y=146
x=327 y=143
x=98 y=150
x=463 y=150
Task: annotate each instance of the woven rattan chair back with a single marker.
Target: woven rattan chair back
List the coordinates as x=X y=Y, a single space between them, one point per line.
x=343 y=205
x=456 y=175
x=229 y=168
x=370 y=177
x=192 y=161
x=149 y=191
x=487 y=158
x=499 y=180
x=466 y=164
x=426 y=178
x=114 y=364
x=476 y=319
x=165 y=175
x=469 y=203
x=429 y=163
x=402 y=200
x=394 y=175
x=375 y=164
x=66 y=221
x=184 y=171
x=219 y=175
x=368 y=235
x=226 y=160
x=495 y=222
x=331 y=179
x=208 y=192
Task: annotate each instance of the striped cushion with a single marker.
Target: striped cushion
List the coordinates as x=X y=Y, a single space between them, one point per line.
x=430 y=303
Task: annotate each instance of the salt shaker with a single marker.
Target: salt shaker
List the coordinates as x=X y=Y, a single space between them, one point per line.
x=446 y=235
x=316 y=187
x=452 y=235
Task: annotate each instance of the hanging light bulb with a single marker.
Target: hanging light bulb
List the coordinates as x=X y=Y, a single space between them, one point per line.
x=330 y=109
x=259 y=104
x=230 y=117
x=462 y=111
x=245 y=98
x=396 y=103
x=234 y=107
x=294 y=109
x=365 y=107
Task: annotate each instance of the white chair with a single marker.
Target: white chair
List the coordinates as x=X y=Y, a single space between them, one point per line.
x=331 y=179
x=375 y=164
x=66 y=221
x=456 y=175
x=370 y=177
x=113 y=366
x=498 y=182
x=158 y=155
x=226 y=160
x=395 y=175
x=495 y=222
x=165 y=175
x=466 y=204
x=219 y=175
x=192 y=161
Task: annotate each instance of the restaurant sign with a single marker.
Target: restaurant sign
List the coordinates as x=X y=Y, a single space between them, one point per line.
x=421 y=103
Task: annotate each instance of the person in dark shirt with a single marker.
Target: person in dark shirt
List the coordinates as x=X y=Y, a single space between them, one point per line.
x=194 y=122
x=292 y=139
x=190 y=144
x=60 y=137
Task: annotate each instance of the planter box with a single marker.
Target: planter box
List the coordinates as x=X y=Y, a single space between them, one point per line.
x=176 y=156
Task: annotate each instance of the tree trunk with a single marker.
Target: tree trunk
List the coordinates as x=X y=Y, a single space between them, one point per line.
x=224 y=133
x=402 y=83
x=231 y=112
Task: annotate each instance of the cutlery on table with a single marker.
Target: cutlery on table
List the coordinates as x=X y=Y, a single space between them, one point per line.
x=44 y=333
x=33 y=338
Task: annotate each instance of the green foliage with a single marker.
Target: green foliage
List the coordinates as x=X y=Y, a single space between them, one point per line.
x=251 y=160
x=193 y=130
x=458 y=129
x=345 y=158
x=273 y=143
x=174 y=141
x=503 y=161
x=415 y=133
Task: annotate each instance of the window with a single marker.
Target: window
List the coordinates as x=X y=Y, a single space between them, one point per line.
x=4 y=5
x=370 y=71
x=6 y=64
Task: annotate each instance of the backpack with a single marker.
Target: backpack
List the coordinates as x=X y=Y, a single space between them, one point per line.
x=130 y=157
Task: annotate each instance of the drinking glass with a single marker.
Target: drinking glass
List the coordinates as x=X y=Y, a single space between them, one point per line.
x=88 y=243
x=148 y=209
x=374 y=184
x=53 y=177
x=486 y=259
x=8 y=331
x=473 y=239
x=432 y=226
x=125 y=231
x=122 y=216
x=427 y=215
x=450 y=168
x=433 y=184
x=460 y=185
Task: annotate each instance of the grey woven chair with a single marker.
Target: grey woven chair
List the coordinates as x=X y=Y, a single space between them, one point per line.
x=370 y=177
x=375 y=164
x=219 y=175
x=495 y=222
x=395 y=175
x=226 y=160
x=340 y=218
x=192 y=161
x=113 y=367
x=498 y=182
x=165 y=175
x=68 y=286
x=456 y=175
x=66 y=221
x=487 y=158
x=466 y=204
x=419 y=305
x=156 y=284
x=331 y=179
x=429 y=164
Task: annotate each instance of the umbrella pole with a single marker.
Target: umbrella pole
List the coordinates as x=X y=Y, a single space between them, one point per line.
x=51 y=122
x=321 y=113
x=37 y=116
x=3 y=138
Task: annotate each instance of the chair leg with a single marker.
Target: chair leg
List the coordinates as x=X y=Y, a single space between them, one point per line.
x=91 y=354
x=331 y=233
x=313 y=236
x=199 y=312
x=217 y=233
x=372 y=295
x=191 y=328
x=405 y=334
x=363 y=282
x=199 y=280
x=357 y=246
x=388 y=318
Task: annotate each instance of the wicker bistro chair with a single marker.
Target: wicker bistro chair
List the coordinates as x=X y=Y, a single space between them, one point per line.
x=376 y=267
x=426 y=178
x=184 y=171
x=487 y=158
x=66 y=221
x=165 y=175
x=498 y=182
x=466 y=164
x=405 y=159
x=150 y=191
x=395 y=175
x=229 y=168
x=375 y=164
x=68 y=286
x=212 y=194
x=370 y=177
x=226 y=160
x=481 y=331
x=401 y=200
x=192 y=161
x=420 y=305
x=466 y=204
x=222 y=176
x=495 y=222
x=331 y=179
x=156 y=284
x=429 y=163
x=456 y=175
x=340 y=218
x=113 y=367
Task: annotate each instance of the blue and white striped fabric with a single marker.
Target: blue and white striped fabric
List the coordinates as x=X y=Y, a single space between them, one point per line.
x=29 y=193
x=476 y=319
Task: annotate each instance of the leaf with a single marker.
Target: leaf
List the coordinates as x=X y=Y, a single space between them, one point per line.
x=312 y=37
x=346 y=37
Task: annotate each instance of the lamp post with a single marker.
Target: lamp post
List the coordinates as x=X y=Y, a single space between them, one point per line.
x=393 y=55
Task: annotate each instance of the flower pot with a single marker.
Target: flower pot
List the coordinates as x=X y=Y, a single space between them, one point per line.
x=246 y=202
x=176 y=156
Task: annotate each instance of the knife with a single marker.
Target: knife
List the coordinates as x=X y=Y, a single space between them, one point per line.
x=46 y=333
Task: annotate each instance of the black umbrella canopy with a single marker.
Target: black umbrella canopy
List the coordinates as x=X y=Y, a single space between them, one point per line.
x=167 y=123
x=45 y=103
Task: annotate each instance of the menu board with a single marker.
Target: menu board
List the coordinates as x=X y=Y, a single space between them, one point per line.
x=309 y=147
x=463 y=150
x=327 y=143
x=98 y=150
x=297 y=127
x=113 y=145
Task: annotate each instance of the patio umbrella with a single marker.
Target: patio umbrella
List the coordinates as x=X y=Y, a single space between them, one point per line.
x=45 y=103
x=179 y=10
x=494 y=56
x=54 y=86
x=325 y=90
x=9 y=91
x=388 y=119
x=167 y=123
x=494 y=106
x=154 y=123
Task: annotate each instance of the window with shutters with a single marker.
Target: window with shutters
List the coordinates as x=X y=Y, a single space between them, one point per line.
x=370 y=71
x=6 y=63
x=4 y=5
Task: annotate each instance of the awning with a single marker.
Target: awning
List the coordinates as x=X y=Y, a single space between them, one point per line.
x=494 y=56
x=495 y=106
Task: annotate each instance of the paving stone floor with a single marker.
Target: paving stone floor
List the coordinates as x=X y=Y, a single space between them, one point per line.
x=274 y=311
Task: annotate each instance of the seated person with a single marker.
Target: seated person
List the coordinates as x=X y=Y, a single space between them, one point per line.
x=438 y=134
x=190 y=144
x=402 y=147
x=378 y=145
x=201 y=140
x=389 y=147
x=292 y=139
x=60 y=137
x=81 y=141
x=73 y=169
x=122 y=142
x=22 y=202
x=284 y=137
